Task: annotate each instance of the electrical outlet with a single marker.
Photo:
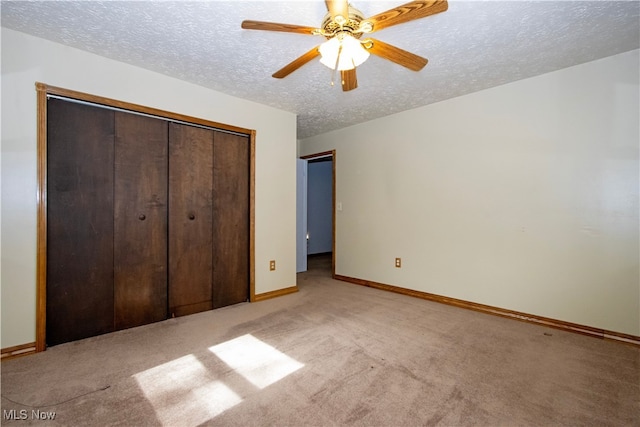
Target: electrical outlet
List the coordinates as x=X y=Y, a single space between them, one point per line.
x=398 y=262
x=272 y=265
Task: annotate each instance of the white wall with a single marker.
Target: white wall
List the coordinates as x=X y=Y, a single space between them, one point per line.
x=523 y=196
x=26 y=59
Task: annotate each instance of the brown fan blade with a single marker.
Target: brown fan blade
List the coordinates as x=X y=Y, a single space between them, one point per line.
x=349 y=80
x=338 y=8
x=407 y=12
x=297 y=63
x=273 y=26
x=395 y=54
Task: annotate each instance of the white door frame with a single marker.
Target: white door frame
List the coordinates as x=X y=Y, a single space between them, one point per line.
x=301 y=215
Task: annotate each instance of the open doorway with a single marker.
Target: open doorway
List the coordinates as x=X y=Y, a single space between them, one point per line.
x=316 y=213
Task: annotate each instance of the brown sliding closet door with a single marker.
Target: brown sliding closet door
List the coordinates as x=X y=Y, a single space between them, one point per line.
x=140 y=257
x=190 y=219
x=230 y=219
x=146 y=219
x=79 y=221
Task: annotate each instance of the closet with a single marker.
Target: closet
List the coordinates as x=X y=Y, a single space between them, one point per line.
x=147 y=219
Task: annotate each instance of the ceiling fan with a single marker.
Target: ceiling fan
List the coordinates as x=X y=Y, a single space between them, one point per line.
x=343 y=27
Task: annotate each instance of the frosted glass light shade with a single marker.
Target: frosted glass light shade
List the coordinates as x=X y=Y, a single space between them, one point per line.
x=351 y=55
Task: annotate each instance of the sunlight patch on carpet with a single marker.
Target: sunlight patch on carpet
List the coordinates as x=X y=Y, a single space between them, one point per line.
x=258 y=362
x=184 y=393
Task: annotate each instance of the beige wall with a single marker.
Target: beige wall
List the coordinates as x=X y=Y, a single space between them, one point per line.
x=523 y=196
x=27 y=59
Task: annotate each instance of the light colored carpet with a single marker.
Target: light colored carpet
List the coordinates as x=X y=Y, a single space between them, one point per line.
x=332 y=354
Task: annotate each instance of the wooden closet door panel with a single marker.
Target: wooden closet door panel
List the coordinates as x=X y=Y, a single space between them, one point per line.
x=79 y=221
x=190 y=219
x=230 y=219
x=140 y=245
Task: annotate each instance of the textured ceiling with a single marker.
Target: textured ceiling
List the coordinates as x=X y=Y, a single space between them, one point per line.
x=472 y=46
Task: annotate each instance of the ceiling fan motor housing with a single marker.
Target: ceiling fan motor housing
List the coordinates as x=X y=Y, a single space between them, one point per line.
x=351 y=25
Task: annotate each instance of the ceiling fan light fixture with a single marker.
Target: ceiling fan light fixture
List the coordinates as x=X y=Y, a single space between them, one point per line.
x=342 y=26
x=350 y=51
